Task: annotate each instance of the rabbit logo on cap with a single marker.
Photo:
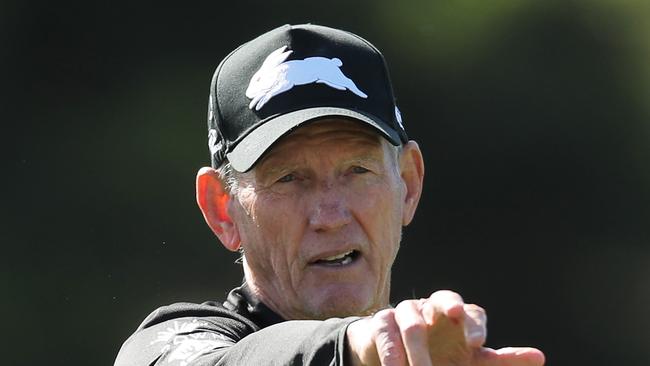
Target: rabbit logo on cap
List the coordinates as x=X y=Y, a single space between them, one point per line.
x=276 y=76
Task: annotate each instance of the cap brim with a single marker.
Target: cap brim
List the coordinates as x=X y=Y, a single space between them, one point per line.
x=244 y=155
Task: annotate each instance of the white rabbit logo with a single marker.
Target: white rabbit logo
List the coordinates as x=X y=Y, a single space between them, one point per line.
x=276 y=76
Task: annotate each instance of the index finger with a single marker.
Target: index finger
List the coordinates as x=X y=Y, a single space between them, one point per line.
x=511 y=356
x=443 y=303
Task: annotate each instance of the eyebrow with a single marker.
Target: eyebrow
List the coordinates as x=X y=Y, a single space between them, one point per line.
x=276 y=169
x=364 y=158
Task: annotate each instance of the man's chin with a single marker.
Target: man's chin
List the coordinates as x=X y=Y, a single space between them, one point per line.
x=340 y=303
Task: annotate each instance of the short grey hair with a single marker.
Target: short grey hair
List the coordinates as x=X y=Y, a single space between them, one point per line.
x=229 y=176
x=230 y=179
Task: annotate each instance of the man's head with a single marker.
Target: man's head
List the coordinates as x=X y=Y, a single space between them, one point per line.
x=322 y=175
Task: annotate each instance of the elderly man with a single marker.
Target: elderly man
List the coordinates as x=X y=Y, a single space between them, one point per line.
x=312 y=179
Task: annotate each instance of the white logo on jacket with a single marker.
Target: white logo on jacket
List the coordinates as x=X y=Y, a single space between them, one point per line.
x=276 y=76
x=185 y=342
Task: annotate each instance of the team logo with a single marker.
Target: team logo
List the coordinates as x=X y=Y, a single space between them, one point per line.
x=276 y=76
x=185 y=342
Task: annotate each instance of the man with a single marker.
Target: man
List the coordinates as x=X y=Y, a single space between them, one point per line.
x=312 y=179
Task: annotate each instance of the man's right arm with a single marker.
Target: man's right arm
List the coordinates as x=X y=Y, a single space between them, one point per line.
x=441 y=329
x=199 y=335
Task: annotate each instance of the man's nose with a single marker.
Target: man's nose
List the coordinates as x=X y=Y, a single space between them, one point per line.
x=329 y=209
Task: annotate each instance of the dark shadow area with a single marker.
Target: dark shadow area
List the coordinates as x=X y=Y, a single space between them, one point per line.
x=534 y=121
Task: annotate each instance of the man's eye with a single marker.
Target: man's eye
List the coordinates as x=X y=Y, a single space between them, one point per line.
x=287 y=178
x=359 y=170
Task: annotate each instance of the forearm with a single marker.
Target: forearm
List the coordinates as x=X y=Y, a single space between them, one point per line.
x=302 y=342
x=305 y=342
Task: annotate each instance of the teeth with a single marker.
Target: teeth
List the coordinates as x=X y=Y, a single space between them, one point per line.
x=339 y=256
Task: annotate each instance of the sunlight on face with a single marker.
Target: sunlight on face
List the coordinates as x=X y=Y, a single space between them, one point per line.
x=320 y=221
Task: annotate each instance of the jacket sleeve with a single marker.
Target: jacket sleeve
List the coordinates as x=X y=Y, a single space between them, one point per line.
x=225 y=338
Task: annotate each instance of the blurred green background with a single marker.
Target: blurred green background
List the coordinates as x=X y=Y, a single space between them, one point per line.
x=533 y=117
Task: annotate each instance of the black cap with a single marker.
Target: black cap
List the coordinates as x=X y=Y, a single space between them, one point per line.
x=292 y=75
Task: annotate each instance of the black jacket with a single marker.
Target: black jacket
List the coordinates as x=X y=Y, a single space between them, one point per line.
x=241 y=331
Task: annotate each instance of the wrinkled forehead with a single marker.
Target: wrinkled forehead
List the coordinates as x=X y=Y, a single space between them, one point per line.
x=350 y=128
x=347 y=133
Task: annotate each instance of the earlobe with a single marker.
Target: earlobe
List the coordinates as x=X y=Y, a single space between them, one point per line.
x=213 y=200
x=412 y=172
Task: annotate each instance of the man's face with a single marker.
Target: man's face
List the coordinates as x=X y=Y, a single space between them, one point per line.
x=320 y=219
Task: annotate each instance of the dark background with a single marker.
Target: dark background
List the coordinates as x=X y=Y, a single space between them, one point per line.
x=533 y=118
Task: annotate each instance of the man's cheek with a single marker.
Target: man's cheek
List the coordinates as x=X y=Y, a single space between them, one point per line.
x=367 y=193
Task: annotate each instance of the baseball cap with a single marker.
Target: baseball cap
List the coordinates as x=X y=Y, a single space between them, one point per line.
x=290 y=76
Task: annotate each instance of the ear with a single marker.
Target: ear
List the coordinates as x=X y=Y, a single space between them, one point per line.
x=213 y=200
x=412 y=172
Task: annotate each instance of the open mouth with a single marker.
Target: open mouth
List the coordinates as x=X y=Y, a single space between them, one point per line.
x=339 y=260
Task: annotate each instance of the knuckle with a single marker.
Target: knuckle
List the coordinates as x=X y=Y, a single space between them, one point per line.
x=447 y=294
x=383 y=321
x=476 y=312
x=408 y=318
x=407 y=304
x=385 y=316
x=383 y=327
x=412 y=328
